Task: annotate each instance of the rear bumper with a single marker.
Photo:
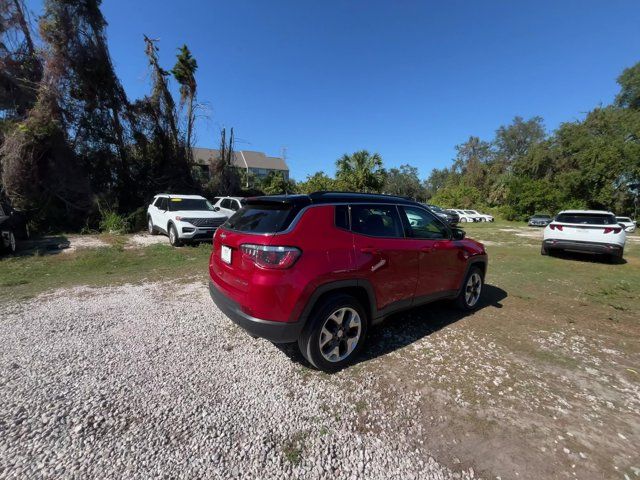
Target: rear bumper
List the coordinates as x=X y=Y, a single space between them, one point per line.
x=276 y=332
x=590 y=247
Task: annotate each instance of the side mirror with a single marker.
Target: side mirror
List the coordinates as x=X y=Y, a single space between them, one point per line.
x=216 y=209
x=458 y=233
x=622 y=225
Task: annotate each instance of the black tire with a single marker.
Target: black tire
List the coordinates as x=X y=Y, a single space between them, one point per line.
x=543 y=250
x=151 y=227
x=616 y=257
x=13 y=246
x=309 y=341
x=174 y=239
x=466 y=302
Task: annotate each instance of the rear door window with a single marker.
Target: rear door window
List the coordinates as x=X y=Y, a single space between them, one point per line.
x=161 y=203
x=376 y=221
x=586 y=218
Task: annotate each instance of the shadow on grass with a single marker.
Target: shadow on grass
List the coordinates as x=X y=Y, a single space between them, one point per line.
x=48 y=245
x=404 y=328
x=588 y=257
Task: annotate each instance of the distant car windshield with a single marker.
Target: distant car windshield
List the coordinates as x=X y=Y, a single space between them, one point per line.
x=182 y=204
x=435 y=208
x=470 y=212
x=542 y=217
x=587 y=218
x=623 y=219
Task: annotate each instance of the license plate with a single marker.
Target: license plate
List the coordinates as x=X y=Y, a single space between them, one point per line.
x=225 y=254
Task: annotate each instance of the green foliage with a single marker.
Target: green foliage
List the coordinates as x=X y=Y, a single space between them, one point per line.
x=111 y=222
x=361 y=172
x=317 y=182
x=275 y=184
x=404 y=181
x=629 y=82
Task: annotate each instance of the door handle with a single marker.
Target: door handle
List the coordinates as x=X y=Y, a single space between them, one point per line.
x=371 y=250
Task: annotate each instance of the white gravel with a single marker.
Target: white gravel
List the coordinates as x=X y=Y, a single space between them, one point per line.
x=153 y=381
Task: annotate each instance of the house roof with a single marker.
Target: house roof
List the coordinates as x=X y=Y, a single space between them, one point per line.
x=242 y=159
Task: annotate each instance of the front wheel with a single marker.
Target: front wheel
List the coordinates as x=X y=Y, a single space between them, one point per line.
x=174 y=240
x=469 y=296
x=335 y=333
x=150 y=228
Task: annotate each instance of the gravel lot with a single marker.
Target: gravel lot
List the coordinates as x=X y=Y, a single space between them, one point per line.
x=153 y=381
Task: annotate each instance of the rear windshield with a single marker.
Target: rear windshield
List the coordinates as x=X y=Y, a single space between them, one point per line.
x=262 y=218
x=182 y=204
x=623 y=219
x=545 y=217
x=587 y=218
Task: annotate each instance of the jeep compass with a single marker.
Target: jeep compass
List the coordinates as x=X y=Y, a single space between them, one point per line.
x=320 y=269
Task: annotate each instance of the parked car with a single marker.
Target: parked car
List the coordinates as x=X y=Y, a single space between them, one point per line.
x=227 y=205
x=465 y=217
x=480 y=217
x=320 y=269
x=184 y=218
x=592 y=231
x=540 y=220
x=451 y=218
x=13 y=227
x=628 y=224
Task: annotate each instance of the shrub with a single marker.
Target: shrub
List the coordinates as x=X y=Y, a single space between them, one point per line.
x=111 y=222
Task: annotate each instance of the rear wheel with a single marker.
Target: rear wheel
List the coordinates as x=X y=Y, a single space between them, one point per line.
x=11 y=244
x=174 y=240
x=469 y=297
x=543 y=250
x=335 y=333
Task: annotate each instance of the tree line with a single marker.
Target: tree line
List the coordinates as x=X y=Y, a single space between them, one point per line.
x=74 y=146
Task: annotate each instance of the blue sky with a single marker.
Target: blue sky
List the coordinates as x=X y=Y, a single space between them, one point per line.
x=407 y=79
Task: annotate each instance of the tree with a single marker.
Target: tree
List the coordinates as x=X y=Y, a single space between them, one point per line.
x=225 y=180
x=516 y=140
x=275 y=184
x=317 y=182
x=20 y=66
x=404 y=182
x=629 y=81
x=95 y=106
x=184 y=73
x=361 y=172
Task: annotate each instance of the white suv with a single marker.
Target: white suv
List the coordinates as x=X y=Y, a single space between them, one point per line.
x=183 y=218
x=227 y=205
x=592 y=231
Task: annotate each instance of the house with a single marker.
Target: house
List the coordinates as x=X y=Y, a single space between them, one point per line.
x=256 y=163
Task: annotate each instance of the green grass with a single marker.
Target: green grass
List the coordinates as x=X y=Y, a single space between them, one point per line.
x=26 y=276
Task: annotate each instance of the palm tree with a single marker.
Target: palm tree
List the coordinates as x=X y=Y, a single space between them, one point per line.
x=361 y=171
x=184 y=72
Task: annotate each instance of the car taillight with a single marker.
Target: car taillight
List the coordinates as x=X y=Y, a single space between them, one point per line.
x=612 y=229
x=267 y=256
x=553 y=226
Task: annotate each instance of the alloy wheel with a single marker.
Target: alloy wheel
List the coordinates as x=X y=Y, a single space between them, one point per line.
x=340 y=334
x=473 y=289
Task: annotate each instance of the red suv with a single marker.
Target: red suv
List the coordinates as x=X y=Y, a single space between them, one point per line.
x=320 y=269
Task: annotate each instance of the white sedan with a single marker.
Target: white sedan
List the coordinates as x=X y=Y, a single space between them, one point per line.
x=591 y=231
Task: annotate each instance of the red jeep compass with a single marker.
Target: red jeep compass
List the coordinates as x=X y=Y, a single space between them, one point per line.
x=320 y=269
